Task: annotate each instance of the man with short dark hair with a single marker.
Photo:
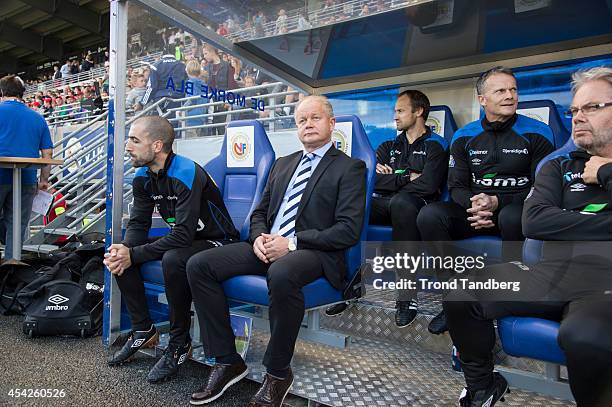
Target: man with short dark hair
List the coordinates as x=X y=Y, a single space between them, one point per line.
x=23 y=133
x=190 y=203
x=491 y=169
x=572 y=201
x=410 y=173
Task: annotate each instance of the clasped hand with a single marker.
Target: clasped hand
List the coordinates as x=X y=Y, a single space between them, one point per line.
x=117 y=260
x=269 y=248
x=481 y=212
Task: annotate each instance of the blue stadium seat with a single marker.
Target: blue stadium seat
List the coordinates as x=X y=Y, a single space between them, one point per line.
x=241 y=187
x=534 y=337
x=442 y=122
x=254 y=290
x=547 y=112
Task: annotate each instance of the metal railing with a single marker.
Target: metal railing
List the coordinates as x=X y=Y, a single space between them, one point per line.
x=342 y=11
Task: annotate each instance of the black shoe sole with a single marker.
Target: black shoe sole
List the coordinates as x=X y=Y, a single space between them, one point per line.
x=227 y=386
x=337 y=313
x=405 y=326
x=164 y=379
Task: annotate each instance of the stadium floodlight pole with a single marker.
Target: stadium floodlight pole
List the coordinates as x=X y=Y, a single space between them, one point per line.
x=116 y=146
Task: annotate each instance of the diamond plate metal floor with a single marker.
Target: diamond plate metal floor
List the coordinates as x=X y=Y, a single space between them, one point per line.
x=373 y=373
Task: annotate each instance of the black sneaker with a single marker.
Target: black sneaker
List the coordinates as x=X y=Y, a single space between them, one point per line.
x=406 y=312
x=167 y=366
x=136 y=340
x=336 y=309
x=438 y=325
x=487 y=397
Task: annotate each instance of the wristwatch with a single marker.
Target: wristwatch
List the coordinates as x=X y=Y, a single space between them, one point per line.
x=292 y=246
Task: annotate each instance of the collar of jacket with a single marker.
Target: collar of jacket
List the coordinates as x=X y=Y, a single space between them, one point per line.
x=580 y=153
x=498 y=126
x=402 y=138
x=164 y=170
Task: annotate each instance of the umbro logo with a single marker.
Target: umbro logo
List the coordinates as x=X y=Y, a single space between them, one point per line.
x=488 y=402
x=578 y=187
x=138 y=343
x=57 y=299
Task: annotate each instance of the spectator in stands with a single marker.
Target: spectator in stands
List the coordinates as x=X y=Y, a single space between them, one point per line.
x=179 y=50
x=281 y=22
x=65 y=69
x=410 y=173
x=573 y=283
x=167 y=67
x=57 y=74
x=134 y=97
x=303 y=23
x=184 y=194
x=258 y=25
x=87 y=63
x=47 y=107
x=220 y=76
x=291 y=251
x=240 y=71
x=249 y=114
x=74 y=67
x=222 y=30
x=193 y=73
x=23 y=133
x=491 y=169
x=365 y=10
x=87 y=101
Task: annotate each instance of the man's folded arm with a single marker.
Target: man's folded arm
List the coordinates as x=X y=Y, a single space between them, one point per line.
x=544 y=218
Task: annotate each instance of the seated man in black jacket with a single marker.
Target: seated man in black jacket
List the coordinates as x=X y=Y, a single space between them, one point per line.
x=410 y=172
x=190 y=203
x=571 y=201
x=491 y=169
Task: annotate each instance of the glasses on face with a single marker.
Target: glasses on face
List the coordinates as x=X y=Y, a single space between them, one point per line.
x=587 y=109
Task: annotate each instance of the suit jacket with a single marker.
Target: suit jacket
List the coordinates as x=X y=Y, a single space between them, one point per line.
x=331 y=211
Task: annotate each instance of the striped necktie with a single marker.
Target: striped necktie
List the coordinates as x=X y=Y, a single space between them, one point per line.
x=304 y=170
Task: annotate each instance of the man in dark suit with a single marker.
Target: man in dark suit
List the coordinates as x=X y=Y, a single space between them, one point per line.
x=311 y=210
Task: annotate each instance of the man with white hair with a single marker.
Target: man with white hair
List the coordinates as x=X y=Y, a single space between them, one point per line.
x=572 y=201
x=311 y=211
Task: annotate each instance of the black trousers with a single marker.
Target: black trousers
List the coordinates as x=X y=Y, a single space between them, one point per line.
x=206 y=272
x=174 y=264
x=580 y=297
x=447 y=221
x=399 y=211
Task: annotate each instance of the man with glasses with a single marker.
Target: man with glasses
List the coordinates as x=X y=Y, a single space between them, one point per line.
x=570 y=201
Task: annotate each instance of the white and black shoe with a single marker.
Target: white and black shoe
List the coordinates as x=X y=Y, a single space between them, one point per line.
x=405 y=313
x=486 y=397
x=167 y=366
x=136 y=340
